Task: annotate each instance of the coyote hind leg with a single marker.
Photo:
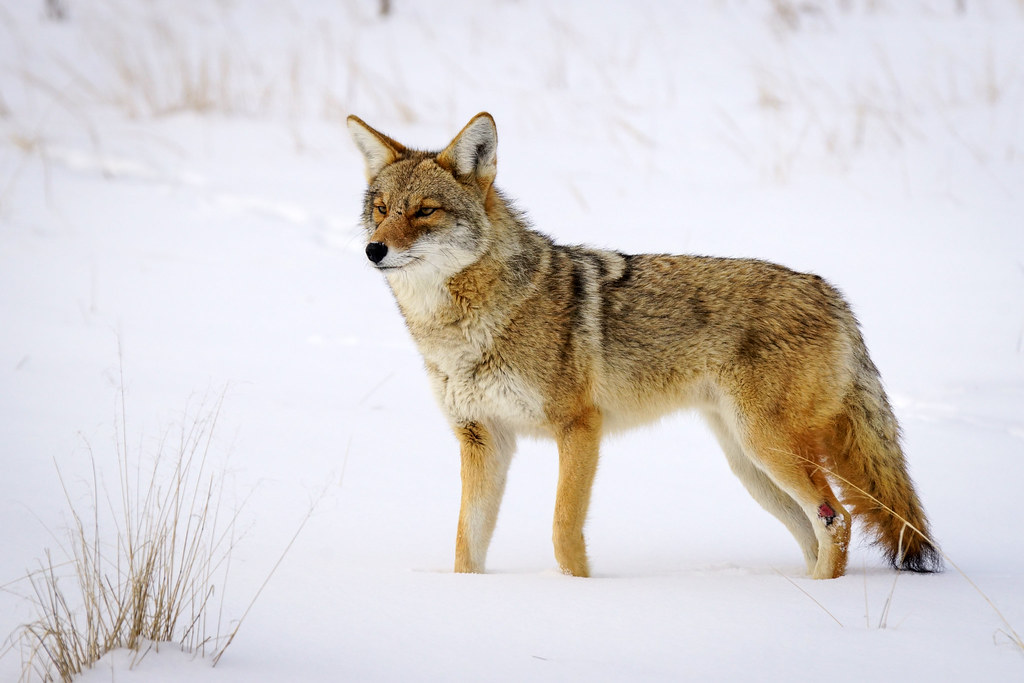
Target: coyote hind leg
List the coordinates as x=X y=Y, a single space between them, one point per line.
x=793 y=466
x=765 y=491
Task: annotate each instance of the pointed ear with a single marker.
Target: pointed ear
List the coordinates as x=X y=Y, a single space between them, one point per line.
x=473 y=154
x=378 y=149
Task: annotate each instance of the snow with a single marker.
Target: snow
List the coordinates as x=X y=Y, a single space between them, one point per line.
x=178 y=200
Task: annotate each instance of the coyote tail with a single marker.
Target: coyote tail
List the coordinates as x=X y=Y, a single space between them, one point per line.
x=875 y=482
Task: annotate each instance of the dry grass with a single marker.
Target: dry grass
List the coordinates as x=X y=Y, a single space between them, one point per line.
x=1007 y=630
x=144 y=564
x=159 y=78
x=145 y=64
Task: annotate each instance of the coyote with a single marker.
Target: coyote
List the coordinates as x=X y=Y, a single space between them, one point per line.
x=520 y=335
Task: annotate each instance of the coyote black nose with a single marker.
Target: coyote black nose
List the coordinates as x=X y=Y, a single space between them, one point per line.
x=376 y=251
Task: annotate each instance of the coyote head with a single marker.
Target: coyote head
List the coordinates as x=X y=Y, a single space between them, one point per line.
x=425 y=213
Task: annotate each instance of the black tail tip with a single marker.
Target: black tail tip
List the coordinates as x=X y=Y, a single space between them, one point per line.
x=926 y=559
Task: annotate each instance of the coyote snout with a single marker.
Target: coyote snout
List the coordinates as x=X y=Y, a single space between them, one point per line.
x=520 y=335
x=376 y=251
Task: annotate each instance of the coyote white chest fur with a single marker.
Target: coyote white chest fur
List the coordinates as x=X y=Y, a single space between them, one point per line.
x=524 y=336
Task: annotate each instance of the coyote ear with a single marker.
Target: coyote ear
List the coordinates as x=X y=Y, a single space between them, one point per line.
x=473 y=154
x=378 y=149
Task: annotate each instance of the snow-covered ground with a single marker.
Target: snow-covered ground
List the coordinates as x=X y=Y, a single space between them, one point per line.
x=178 y=199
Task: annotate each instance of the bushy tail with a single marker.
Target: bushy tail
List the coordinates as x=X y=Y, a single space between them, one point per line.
x=876 y=485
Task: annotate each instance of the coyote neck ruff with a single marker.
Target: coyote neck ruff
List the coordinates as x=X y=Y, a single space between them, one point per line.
x=524 y=336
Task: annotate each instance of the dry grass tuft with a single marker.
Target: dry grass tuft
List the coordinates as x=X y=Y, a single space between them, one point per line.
x=143 y=565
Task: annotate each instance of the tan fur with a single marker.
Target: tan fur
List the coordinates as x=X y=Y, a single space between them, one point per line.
x=520 y=335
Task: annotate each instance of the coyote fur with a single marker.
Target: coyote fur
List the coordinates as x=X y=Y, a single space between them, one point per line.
x=521 y=335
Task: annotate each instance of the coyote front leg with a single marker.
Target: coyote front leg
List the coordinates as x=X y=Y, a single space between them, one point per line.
x=486 y=454
x=578 y=444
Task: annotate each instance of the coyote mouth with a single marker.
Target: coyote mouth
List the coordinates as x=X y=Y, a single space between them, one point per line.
x=406 y=262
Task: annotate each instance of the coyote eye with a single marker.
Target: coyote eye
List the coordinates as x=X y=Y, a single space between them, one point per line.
x=381 y=209
x=425 y=211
